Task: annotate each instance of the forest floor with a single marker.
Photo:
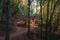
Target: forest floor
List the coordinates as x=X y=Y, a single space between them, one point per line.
x=22 y=34
x=15 y=34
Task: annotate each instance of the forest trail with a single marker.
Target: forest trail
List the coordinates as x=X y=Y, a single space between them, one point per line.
x=14 y=34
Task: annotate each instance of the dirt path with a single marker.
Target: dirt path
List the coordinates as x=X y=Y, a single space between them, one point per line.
x=18 y=32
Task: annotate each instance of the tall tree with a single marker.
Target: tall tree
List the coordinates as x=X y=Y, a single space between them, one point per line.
x=29 y=2
x=51 y=16
x=47 y=19
x=41 y=18
x=8 y=21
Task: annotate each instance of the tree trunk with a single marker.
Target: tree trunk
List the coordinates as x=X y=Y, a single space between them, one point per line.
x=3 y=18
x=29 y=16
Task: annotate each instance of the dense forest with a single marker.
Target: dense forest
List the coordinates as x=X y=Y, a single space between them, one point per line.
x=16 y=14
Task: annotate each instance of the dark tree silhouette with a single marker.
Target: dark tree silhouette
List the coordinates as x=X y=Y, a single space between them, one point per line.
x=41 y=19
x=29 y=2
